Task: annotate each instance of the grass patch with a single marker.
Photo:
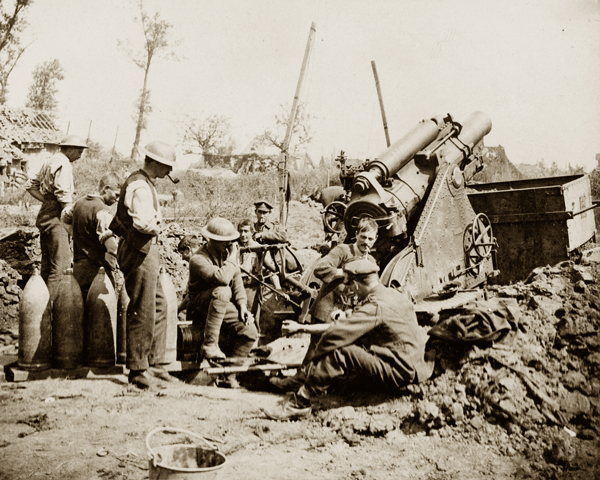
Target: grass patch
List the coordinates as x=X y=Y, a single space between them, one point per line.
x=203 y=197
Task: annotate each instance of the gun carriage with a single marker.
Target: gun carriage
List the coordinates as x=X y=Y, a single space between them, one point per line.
x=430 y=238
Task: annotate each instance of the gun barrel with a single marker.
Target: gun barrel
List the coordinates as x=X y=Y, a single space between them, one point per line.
x=262 y=248
x=396 y=156
x=395 y=202
x=474 y=128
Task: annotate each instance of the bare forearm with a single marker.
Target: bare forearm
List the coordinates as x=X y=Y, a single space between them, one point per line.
x=35 y=193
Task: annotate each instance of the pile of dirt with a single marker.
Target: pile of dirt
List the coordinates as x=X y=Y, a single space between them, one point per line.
x=536 y=393
x=20 y=248
x=20 y=253
x=10 y=296
x=170 y=258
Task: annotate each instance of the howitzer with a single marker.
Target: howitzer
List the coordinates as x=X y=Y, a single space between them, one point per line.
x=429 y=235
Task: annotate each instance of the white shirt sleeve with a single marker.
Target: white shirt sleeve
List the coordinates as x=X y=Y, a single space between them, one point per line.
x=140 y=206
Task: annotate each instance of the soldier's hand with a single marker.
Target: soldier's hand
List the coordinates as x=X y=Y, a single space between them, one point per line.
x=246 y=317
x=233 y=252
x=289 y=327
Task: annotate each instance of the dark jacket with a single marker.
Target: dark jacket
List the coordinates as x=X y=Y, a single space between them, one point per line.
x=385 y=325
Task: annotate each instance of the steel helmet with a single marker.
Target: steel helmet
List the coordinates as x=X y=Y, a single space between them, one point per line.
x=220 y=229
x=161 y=152
x=73 y=141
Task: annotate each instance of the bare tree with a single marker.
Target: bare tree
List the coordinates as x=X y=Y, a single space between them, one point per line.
x=12 y=23
x=301 y=129
x=42 y=91
x=210 y=133
x=156 y=44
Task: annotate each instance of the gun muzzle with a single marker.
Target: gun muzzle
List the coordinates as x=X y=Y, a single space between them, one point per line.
x=174 y=180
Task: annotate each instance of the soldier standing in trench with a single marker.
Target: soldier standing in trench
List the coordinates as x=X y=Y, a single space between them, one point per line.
x=380 y=342
x=53 y=186
x=138 y=223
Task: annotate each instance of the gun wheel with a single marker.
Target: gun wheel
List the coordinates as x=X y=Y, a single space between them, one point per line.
x=478 y=241
x=333 y=217
x=483 y=239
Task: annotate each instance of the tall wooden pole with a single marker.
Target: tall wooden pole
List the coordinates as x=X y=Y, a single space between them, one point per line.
x=112 y=155
x=283 y=213
x=385 y=129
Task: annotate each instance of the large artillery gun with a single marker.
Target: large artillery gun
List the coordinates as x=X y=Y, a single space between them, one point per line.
x=431 y=241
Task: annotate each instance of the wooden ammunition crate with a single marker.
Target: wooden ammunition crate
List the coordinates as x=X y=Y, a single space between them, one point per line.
x=536 y=222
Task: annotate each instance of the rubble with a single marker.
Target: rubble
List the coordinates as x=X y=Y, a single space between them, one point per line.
x=10 y=296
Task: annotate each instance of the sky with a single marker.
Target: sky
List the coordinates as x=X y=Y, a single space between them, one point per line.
x=533 y=66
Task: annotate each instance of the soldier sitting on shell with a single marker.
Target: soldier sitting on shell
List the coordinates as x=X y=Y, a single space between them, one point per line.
x=218 y=297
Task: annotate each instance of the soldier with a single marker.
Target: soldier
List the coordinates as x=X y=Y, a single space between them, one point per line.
x=53 y=186
x=380 y=341
x=187 y=248
x=217 y=294
x=249 y=260
x=138 y=222
x=265 y=230
x=325 y=196
x=332 y=295
x=94 y=243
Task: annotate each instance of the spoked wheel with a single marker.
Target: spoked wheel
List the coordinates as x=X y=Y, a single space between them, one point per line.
x=333 y=217
x=478 y=241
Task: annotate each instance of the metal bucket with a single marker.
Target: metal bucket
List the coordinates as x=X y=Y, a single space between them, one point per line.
x=183 y=461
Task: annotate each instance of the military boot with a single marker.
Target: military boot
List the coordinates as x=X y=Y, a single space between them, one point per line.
x=212 y=329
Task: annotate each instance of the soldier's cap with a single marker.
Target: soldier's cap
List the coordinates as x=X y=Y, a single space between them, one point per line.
x=263 y=206
x=360 y=268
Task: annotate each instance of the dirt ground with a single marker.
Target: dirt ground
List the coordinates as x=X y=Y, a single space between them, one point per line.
x=475 y=419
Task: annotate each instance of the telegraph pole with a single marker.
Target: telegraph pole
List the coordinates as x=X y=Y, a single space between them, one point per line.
x=385 y=128
x=285 y=179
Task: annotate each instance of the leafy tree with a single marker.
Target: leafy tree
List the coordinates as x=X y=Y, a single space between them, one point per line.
x=42 y=91
x=156 y=44
x=575 y=170
x=301 y=130
x=12 y=23
x=210 y=133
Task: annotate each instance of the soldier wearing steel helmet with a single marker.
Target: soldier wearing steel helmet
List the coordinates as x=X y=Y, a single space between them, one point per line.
x=138 y=222
x=53 y=186
x=217 y=295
